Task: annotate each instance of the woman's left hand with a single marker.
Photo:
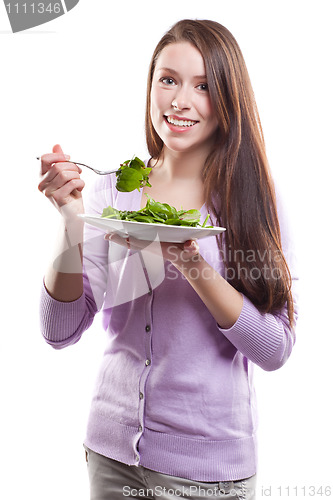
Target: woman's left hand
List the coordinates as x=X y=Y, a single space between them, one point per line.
x=177 y=253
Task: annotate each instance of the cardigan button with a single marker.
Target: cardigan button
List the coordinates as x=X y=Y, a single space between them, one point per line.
x=147 y=328
x=148 y=362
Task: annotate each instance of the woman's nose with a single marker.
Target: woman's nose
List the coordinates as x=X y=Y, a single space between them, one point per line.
x=182 y=99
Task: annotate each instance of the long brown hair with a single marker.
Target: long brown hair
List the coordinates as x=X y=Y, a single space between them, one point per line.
x=238 y=187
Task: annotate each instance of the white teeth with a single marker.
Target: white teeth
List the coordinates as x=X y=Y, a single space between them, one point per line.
x=180 y=123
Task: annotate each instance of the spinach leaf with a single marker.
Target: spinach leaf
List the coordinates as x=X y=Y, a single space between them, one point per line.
x=132 y=174
x=111 y=213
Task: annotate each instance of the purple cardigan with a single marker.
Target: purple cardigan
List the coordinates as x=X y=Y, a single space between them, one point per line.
x=175 y=392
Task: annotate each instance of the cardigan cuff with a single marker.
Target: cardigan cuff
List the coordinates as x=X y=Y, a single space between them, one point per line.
x=256 y=334
x=60 y=320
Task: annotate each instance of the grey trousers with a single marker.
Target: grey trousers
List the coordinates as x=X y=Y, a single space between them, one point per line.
x=112 y=480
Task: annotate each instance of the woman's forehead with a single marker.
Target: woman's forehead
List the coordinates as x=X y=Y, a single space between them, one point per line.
x=181 y=57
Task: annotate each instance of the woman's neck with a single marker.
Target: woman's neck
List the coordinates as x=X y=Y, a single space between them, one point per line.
x=181 y=166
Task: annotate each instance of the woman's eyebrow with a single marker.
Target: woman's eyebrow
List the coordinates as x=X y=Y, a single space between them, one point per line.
x=170 y=70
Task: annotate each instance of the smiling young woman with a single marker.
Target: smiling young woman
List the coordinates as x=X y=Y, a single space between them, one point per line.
x=238 y=188
x=174 y=405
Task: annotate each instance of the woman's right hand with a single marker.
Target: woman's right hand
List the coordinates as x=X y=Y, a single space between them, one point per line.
x=61 y=182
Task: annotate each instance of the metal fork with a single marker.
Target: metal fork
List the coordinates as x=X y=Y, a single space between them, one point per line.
x=99 y=172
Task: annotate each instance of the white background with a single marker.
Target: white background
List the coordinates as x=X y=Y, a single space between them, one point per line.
x=80 y=81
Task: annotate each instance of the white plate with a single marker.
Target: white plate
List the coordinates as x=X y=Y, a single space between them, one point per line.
x=149 y=232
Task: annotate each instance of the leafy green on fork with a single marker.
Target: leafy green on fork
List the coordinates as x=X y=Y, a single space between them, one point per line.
x=132 y=174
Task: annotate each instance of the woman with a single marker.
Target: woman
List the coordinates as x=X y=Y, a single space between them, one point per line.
x=174 y=409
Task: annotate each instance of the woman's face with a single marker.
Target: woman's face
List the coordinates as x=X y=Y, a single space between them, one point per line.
x=181 y=109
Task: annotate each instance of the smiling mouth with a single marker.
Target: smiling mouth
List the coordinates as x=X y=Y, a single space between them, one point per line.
x=180 y=123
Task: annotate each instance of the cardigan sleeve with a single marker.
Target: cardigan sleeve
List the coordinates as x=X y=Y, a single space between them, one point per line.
x=63 y=323
x=267 y=339
x=264 y=338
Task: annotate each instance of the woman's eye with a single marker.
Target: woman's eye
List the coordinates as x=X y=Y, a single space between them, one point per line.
x=203 y=86
x=168 y=81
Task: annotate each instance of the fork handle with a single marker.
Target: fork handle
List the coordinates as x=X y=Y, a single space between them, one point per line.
x=77 y=163
x=100 y=172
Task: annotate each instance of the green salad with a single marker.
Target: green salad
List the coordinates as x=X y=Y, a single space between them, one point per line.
x=133 y=174
x=157 y=213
